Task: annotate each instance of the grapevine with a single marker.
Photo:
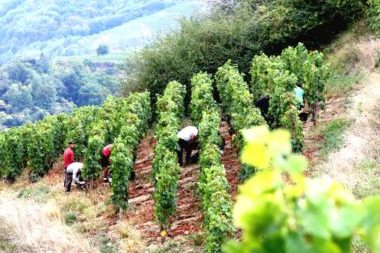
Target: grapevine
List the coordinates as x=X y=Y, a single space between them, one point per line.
x=96 y=142
x=213 y=185
x=237 y=103
x=40 y=150
x=166 y=170
x=14 y=153
x=135 y=121
x=280 y=210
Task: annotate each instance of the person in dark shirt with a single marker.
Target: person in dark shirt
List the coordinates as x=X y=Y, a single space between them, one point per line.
x=68 y=158
x=263 y=104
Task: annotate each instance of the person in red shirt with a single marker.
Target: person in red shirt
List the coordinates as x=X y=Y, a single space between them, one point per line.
x=105 y=161
x=68 y=158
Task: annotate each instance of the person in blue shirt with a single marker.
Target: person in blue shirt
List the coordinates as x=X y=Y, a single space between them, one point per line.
x=299 y=93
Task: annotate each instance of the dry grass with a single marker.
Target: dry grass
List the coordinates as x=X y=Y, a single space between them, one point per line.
x=39 y=228
x=129 y=238
x=360 y=140
x=87 y=215
x=351 y=57
x=6 y=239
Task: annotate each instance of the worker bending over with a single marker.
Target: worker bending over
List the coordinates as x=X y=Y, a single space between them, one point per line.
x=187 y=142
x=73 y=173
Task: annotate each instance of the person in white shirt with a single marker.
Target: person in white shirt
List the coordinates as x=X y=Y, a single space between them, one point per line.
x=187 y=142
x=73 y=173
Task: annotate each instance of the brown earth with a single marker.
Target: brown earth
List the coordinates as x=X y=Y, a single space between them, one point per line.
x=188 y=216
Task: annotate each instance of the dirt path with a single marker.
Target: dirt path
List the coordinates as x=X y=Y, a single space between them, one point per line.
x=362 y=138
x=230 y=159
x=188 y=216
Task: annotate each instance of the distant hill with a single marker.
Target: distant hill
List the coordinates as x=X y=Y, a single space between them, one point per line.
x=71 y=28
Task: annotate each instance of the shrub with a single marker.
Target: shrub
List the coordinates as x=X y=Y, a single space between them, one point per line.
x=70 y=218
x=102 y=50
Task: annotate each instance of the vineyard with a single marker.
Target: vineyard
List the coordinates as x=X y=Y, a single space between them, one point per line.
x=226 y=96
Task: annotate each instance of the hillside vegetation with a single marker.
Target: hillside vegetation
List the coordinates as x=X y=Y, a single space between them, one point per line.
x=57 y=55
x=65 y=28
x=238 y=30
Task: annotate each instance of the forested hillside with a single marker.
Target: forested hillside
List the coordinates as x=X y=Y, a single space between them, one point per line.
x=56 y=55
x=61 y=27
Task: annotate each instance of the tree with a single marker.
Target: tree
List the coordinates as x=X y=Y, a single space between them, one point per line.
x=102 y=49
x=18 y=97
x=19 y=72
x=43 y=91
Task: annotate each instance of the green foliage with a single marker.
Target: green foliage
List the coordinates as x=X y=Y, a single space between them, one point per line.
x=64 y=28
x=135 y=122
x=2 y=155
x=14 y=153
x=32 y=89
x=311 y=71
x=267 y=73
x=290 y=120
x=89 y=127
x=40 y=150
x=374 y=16
x=278 y=77
x=166 y=185
x=79 y=127
x=70 y=218
x=293 y=213
x=96 y=141
x=236 y=99
x=237 y=102
x=213 y=186
x=166 y=170
x=201 y=96
x=122 y=164
x=217 y=207
x=333 y=135
x=58 y=125
x=206 y=43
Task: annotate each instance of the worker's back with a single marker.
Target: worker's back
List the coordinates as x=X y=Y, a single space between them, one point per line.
x=74 y=167
x=188 y=133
